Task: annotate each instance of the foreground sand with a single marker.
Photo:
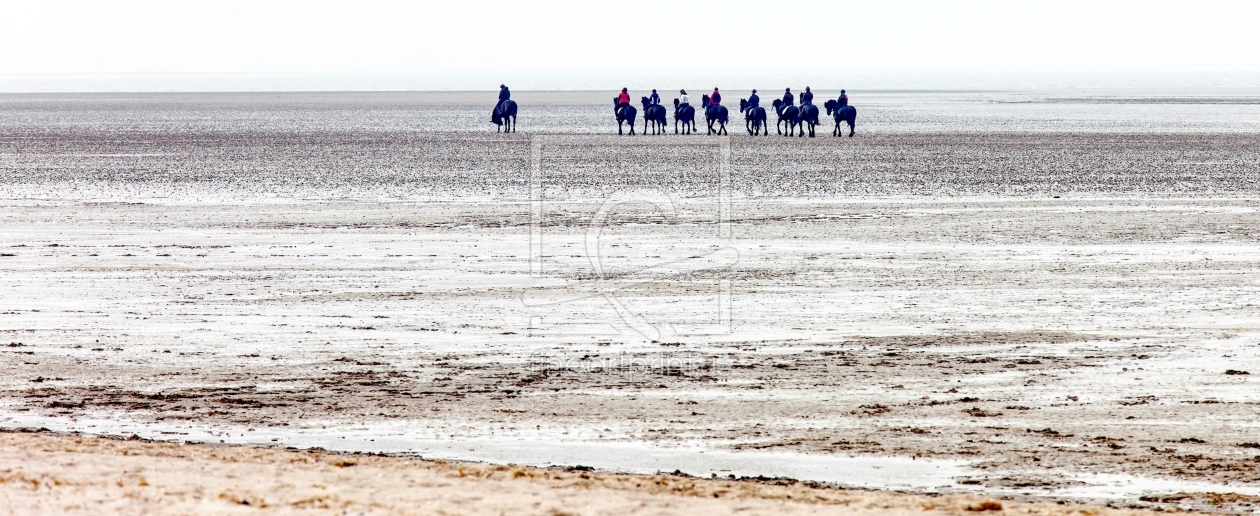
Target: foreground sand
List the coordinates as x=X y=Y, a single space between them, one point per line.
x=54 y=474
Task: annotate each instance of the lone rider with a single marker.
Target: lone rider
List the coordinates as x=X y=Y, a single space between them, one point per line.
x=715 y=98
x=788 y=99
x=623 y=100
x=504 y=96
x=807 y=97
x=844 y=99
x=682 y=98
x=654 y=99
x=754 y=100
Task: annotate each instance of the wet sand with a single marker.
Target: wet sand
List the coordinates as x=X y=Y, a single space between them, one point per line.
x=45 y=474
x=1047 y=307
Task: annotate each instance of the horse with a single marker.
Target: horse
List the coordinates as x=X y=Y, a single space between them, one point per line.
x=714 y=113
x=504 y=116
x=843 y=114
x=809 y=117
x=624 y=115
x=685 y=114
x=787 y=114
x=654 y=113
x=754 y=118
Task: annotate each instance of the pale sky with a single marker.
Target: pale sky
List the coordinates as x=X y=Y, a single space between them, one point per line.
x=75 y=36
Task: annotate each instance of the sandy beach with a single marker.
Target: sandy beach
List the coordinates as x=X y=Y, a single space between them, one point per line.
x=1030 y=298
x=43 y=474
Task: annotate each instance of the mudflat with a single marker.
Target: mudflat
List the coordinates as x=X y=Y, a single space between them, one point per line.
x=1059 y=314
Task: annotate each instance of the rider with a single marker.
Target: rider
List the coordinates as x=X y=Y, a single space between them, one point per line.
x=654 y=99
x=715 y=98
x=844 y=99
x=753 y=100
x=788 y=100
x=682 y=98
x=504 y=95
x=623 y=100
x=807 y=97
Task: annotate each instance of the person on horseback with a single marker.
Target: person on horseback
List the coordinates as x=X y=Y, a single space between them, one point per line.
x=715 y=98
x=504 y=96
x=623 y=100
x=788 y=99
x=807 y=97
x=682 y=98
x=843 y=100
x=654 y=98
x=754 y=100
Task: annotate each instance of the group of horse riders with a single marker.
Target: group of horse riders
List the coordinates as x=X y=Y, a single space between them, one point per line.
x=715 y=99
x=807 y=97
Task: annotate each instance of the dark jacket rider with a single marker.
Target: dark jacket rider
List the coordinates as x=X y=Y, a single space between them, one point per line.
x=504 y=96
x=807 y=97
x=788 y=99
x=844 y=99
x=654 y=99
x=754 y=100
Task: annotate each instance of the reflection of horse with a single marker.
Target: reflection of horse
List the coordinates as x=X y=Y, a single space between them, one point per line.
x=654 y=113
x=754 y=118
x=685 y=114
x=504 y=116
x=845 y=114
x=809 y=117
x=714 y=113
x=624 y=114
x=789 y=115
